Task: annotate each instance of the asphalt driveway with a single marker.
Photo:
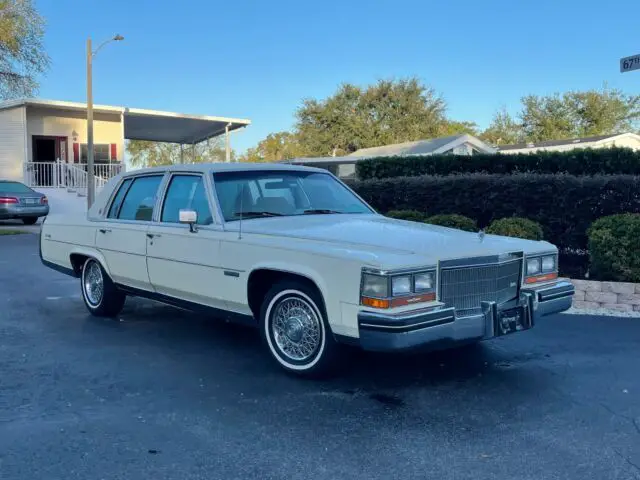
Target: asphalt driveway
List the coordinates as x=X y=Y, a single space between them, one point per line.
x=162 y=393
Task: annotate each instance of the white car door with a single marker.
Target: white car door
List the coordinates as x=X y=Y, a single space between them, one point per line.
x=185 y=264
x=122 y=236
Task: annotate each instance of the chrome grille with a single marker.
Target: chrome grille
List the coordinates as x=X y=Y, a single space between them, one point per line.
x=466 y=287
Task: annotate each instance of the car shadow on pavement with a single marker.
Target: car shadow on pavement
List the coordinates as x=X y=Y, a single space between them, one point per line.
x=238 y=353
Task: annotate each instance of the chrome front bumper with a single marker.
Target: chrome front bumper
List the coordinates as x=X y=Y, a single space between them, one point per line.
x=441 y=328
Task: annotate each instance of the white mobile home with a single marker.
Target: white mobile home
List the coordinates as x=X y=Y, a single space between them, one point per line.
x=43 y=143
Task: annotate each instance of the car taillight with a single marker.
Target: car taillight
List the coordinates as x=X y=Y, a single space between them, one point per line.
x=44 y=201
x=7 y=200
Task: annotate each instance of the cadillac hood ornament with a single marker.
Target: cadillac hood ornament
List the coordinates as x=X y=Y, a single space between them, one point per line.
x=481 y=235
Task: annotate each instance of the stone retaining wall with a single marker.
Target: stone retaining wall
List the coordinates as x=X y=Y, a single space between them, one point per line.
x=621 y=296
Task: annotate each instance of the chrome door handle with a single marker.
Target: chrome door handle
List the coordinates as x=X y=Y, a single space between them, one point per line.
x=153 y=235
x=105 y=230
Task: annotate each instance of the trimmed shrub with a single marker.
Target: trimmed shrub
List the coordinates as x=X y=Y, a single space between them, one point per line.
x=614 y=248
x=516 y=227
x=411 y=215
x=564 y=205
x=611 y=161
x=453 y=221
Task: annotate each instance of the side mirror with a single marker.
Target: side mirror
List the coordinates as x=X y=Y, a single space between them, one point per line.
x=189 y=217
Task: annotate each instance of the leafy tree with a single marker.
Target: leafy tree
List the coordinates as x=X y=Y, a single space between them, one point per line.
x=22 y=55
x=276 y=147
x=452 y=127
x=503 y=130
x=568 y=115
x=142 y=153
x=546 y=118
x=390 y=111
x=601 y=112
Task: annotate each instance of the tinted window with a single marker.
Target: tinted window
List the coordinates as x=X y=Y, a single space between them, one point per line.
x=140 y=199
x=117 y=201
x=14 y=187
x=288 y=192
x=186 y=192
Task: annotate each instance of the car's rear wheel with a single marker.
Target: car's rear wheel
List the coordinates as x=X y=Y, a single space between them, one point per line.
x=29 y=220
x=294 y=327
x=100 y=294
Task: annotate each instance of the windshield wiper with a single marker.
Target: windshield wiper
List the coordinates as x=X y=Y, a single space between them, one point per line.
x=320 y=211
x=258 y=214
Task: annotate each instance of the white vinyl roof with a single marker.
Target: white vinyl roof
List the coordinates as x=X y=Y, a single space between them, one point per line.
x=227 y=167
x=152 y=125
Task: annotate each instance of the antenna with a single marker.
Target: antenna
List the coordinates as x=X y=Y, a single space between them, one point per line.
x=241 y=213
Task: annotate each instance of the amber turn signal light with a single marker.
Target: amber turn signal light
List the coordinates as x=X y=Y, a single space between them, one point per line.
x=398 y=302
x=375 y=302
x=541 y=278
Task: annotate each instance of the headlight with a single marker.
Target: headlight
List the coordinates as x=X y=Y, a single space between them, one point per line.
x=375 y=286
x=424 y=281
x=381 y=289
x=533 y=266
x=549 y=263
x=401 y=285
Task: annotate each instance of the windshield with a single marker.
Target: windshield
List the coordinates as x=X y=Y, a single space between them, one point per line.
x=14 y=187
x=252 y=194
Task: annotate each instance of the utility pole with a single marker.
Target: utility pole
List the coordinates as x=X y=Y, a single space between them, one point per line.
x=91 y=185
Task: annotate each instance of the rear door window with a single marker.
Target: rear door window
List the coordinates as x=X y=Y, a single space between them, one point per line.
x=117 y=200
x=139 y=201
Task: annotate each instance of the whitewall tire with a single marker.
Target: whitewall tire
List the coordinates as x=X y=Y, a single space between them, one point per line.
x=294 y=327
x=101 y=297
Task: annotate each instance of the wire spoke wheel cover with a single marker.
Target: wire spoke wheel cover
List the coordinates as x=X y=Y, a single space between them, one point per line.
x=296 y=328
x=93 y=283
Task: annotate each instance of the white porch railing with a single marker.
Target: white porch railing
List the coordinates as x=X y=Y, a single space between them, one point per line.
x=72 y=176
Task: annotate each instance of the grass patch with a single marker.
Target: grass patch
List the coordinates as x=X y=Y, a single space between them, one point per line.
x=11 y=232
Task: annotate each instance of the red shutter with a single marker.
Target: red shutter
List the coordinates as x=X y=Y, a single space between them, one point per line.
x=114 y=152
x=76 y=153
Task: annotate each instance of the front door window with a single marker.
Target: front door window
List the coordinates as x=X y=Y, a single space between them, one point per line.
x=186 y=192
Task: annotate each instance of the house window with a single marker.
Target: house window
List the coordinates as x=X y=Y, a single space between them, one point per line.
x=101 y=152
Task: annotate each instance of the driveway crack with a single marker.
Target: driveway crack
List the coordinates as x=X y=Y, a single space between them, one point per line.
x=633 y=421
x=626 y=459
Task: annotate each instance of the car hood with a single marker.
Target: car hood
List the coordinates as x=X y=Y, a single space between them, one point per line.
x=398 y=237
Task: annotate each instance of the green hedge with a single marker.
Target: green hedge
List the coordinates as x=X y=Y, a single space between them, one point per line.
x=611 y=161
x=614 y=248
x=411 y=215
x=516 y=227
x=564 y=205
x=453 y=221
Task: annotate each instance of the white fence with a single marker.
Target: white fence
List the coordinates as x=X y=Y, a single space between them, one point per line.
x=68 y=175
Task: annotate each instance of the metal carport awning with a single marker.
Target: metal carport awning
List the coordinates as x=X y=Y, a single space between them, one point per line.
x=151 y=125
x=179 y=128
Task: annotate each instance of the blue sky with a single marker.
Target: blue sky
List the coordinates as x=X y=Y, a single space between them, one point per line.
x=257 y=59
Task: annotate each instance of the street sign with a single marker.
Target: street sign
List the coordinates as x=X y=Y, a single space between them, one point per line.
x=630 y=63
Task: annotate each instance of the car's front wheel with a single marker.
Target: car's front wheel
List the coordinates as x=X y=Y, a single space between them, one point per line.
x=294 y=327
x=100 y=294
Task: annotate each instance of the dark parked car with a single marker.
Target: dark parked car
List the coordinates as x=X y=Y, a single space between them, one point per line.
x=21 y=202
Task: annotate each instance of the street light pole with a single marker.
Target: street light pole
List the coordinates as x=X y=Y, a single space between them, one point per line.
x=91 y=186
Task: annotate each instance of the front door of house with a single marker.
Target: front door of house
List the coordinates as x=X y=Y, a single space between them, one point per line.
x=46 y=151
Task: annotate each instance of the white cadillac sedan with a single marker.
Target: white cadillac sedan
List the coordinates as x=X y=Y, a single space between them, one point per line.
x=295 y=252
